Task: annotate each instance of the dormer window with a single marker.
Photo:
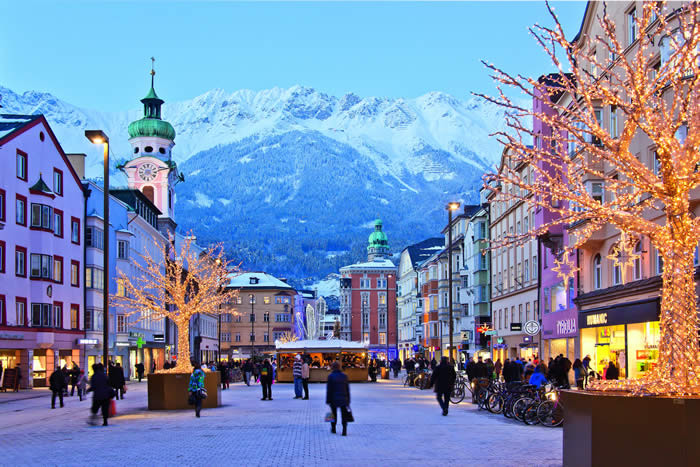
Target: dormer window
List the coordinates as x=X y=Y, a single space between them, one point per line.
x=254 y=280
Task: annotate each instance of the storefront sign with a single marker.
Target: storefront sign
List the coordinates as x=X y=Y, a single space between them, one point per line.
x=516 y=326
x=560 y=324
x=158 y=337
x=11 y=337
x=87 y=341
x=628 y=313
x=532 y=327
x=566 y=326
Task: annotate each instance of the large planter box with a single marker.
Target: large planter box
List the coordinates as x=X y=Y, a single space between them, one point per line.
x=603 y=429
x=168 y=391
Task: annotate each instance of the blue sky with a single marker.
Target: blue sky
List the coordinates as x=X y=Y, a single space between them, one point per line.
x=96 y=54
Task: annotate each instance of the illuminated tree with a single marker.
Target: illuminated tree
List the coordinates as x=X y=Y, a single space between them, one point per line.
x=178 y=289
x=655 y=102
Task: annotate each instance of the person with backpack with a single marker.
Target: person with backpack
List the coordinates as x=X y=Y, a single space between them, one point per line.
x=57 y=383
x=196 y=389
x=266 y=372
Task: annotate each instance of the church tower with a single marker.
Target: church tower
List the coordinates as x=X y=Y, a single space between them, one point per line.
x=378 y=246
x=151 y=169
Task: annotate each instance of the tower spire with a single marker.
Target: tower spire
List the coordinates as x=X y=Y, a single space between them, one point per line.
x=153 y=71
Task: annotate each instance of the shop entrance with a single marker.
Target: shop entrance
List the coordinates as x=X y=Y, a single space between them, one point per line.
x=605 y=344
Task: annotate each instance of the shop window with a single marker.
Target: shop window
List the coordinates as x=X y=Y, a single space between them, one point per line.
x=597 y=273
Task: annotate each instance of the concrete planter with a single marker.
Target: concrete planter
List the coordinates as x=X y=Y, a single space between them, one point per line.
x=611 y=429
x=168 y=391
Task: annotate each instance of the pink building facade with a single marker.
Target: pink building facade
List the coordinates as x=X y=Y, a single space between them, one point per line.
x=41 y=251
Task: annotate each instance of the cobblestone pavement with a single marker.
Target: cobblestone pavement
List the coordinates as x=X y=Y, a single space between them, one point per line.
x=394 y=426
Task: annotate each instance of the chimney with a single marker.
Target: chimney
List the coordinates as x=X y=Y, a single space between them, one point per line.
x=78 y=163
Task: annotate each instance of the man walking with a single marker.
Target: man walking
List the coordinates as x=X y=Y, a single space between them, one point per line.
x=266 y=372
x=245 y=369
x=296 y=371
x=57 y=383
x=139 y=371
x=305 y=373
x=444 y=378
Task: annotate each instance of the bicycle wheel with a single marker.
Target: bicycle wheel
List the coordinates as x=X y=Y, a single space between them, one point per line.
x=519 y=407
x=457 y=395
x=406 y=380
x=530 y=414
x=494 y=404
x=550 y=413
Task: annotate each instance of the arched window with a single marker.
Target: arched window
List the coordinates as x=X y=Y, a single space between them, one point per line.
x=148 y=192
x=597 y=273
x=617 y=271
x=638 y=261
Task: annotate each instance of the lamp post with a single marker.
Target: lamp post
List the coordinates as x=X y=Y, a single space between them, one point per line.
x=386 y=324
x=450 y=207
x=99 y=137
x=252 y=324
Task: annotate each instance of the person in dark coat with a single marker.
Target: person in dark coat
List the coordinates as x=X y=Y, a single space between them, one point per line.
x=471 y=369
x=102 y=393
x=57 y=383
x=372 y=371
x=266 y=380
x=74 y=375
x=139 y=371
x=396 y=366
x=116 y=379
x=338 y=396
x=612 y=372
x=443 y=379
x=433 y=364
x=480 y=369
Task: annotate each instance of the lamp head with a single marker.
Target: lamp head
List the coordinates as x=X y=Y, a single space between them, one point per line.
x=96 y=136
x=453 y=206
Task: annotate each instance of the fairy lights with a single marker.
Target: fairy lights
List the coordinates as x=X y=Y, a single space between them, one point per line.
x=192 y=283
x=587 y=169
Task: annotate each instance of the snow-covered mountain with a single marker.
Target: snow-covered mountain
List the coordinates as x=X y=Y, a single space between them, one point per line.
x=293 y=177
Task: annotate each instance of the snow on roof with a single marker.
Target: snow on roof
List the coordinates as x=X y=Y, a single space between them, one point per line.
x=317 y=344
x=256 y=280
x=12 y=122
x=377 y=263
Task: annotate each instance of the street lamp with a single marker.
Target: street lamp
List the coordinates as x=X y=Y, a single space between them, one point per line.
x=386 y=324
x=453 y=206
x=99 y=137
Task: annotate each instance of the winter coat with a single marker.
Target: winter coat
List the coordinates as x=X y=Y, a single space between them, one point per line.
x=296 y=369
x=196 y=381
x=57 y=381
x=537 y=379
x=443 y=378
x=305 y=370
x=139 y=368
x=612 y=372
x=338 y=389
x=74 y=375
x=480 y=370
x=116 y=377
x=82 y=382
x=266 y=373
x=99 y=387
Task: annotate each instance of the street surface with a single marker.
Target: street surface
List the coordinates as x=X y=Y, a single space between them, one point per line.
x=394 y=426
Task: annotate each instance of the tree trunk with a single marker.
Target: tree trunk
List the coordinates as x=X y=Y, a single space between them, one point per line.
x=183 y=347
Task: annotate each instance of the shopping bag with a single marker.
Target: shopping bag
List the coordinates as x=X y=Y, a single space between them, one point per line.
x=112 y=408
x=329 y=417
x=202 y=393
x=349 y=416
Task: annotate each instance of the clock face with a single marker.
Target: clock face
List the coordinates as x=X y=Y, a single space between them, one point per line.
x=148 y=171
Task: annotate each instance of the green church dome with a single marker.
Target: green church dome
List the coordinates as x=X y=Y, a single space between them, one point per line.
x=148 y=126
x=378 y=241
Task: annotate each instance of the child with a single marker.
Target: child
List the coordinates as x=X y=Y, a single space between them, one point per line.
x=82 y=384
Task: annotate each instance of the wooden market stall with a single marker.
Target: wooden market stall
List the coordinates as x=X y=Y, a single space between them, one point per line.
x=352 y=355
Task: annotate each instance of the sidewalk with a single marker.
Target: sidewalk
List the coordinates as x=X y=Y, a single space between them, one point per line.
x=23 y=394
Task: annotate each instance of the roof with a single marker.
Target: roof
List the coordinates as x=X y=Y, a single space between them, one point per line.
x=421 y=251
x=330 y=344
x=12 y=122
x=377 y=263
x=264 y=281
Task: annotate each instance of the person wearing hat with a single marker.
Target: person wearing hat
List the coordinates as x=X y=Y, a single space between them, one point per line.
x=297 y=372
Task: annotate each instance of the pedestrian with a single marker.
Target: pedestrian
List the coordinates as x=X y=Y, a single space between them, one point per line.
x=256 y=371
x=497 y=368
x=612 y=371
x=586 y=362
x=82 y=385
x=480 y=369
x=433 y=364
x=57 y=383
x=296 y=372
x=338 y=397
x=305 y=373
x=471 y=369
x=139 y=371
x=116 y=379
x=538 y=378
x=443 y=380
x=102 y=394
x=223 y=369
x=196 y=389
x=396 y=366
x=578 y=373
x=372 y=371
x=66 y=377
x=245 y=370
x=266 y=373
x=489 y=368
x=74 y=375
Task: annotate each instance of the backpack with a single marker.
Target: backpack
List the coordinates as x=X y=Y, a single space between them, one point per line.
x=263 y=371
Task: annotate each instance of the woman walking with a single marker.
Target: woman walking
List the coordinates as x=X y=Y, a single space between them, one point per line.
x=196 y=389
x=266 y=380
x=102 y=393
x=338 y=396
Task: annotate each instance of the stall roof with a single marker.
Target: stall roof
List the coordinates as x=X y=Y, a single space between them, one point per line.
x=317 y=344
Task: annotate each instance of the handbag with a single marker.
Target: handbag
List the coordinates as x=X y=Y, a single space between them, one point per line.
x=202 y=393
x=329 y=417
x=349 y=416
x=112 y=408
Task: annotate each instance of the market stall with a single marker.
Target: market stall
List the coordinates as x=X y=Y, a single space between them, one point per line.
x=352 y=355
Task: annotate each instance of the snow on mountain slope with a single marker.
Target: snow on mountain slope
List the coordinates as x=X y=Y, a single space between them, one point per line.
x=392 y=132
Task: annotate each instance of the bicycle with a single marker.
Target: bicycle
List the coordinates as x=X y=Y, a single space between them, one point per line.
x=550 y=413
x=459 y=390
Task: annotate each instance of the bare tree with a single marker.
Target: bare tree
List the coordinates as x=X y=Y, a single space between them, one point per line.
x=657 y=103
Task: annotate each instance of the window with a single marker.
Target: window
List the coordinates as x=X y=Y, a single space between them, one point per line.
x=534 y=268
x=526 y=271
x=252 y=317
x=572 y=293
x=58 y=223
x=21 y=210
x=121 y=324
x=599 y=120
x=266 y=317
x=282 y=318
x=382 y=338
x=2 y=256
x=121 y=288
x=21 y=161
x=282 y=299
x=266 y=337
x=365 y=283
x=3 y=314
x=41 y=266
x=238 y=337
x=252 y=337
x=266 y=300
x=89 y=320
x=657 y=163
x=75 y=230
x=57 y=315
x=631 y=26
x=20 y=311
x=239 y=318
x=2 y=205
x=659 y=263
x=226 y=337
x=382 y=299
x=597 y=273
x=75 y=316
x=597 y=191
x=613 y=121
x=382 y=320
x=75 y=273
x=58 y=269
x=94 y=278
x=123 y=249
x=42 y=215
x=251 y=298
x=617 y=273
x=94 y=237
x=58 y=182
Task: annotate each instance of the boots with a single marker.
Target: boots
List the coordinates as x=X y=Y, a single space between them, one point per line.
x=345 y=429
x=332 y=427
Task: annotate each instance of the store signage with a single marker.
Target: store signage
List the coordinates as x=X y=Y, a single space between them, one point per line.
x=516 y=326
x=566 y=326
x=532 y=327
x=499 y=340
x=122 y=344
x=87 y=341
x=158 y=337
x=492 y=332
x=637 y=312
x=527 y=339
x=11 y=337
x=483 y=328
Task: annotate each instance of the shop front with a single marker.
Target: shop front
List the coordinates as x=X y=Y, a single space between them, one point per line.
x=352 y=355
x=515 y=346
x=626 y=334
x=560 y=334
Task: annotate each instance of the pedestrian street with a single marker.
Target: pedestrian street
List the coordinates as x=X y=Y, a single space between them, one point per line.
x=394 y=426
